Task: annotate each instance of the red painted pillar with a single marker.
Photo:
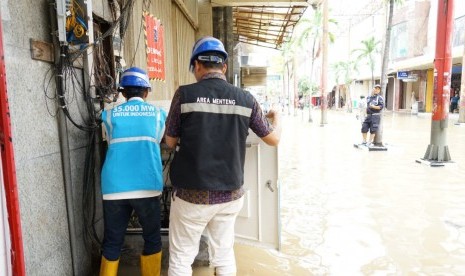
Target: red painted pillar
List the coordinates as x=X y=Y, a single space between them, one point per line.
x=438 y=150
x=9 y=172
x=443 y=60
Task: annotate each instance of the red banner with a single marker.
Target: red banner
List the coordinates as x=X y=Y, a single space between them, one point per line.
x=154 y=34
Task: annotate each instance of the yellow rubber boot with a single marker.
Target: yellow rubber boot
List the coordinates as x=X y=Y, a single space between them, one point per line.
x=108 y=268
x=150 y=265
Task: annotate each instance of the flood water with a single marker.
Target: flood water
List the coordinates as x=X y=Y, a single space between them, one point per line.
x=346 y=211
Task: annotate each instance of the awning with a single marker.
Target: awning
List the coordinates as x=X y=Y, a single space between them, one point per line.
x=265 y=26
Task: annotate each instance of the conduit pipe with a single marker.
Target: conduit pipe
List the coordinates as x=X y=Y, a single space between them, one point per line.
x=63 y=135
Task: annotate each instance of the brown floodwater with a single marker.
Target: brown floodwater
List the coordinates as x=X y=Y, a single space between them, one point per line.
x=346 y=211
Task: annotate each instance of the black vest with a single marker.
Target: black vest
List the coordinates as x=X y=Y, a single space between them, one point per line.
x=215 y=119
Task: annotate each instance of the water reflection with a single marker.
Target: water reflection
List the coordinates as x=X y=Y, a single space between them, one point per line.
x=351 y=212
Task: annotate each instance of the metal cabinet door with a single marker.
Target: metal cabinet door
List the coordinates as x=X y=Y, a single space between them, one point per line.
x=258 y=222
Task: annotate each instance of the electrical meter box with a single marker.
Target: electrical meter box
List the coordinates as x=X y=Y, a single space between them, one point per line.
x=72 y=21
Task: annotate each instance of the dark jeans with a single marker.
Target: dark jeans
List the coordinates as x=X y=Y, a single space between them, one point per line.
x=116 y=217
x=371 y=123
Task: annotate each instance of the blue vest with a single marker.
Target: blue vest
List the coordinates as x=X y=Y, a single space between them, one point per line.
x=133 y=162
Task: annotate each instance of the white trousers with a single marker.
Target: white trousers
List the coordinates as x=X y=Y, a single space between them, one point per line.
x=187 y=223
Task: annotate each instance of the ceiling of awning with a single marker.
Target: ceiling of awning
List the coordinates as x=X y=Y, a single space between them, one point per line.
x=267 y=26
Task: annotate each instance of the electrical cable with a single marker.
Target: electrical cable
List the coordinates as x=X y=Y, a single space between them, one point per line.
x=46 y=88
x=145 y=7
x=125 y=16
x=67 y=74
x=166 y=194
x=72 y=82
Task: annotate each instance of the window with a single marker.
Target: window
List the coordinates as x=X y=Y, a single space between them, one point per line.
x=458 y=36
x=399 y=41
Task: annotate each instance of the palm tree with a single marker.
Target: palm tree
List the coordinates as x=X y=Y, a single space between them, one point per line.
x=346 y=70
x=368 y=52
x=287 y=53
x=310 y=33
x=307 y=90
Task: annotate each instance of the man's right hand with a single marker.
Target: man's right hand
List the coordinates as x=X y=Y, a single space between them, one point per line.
x=272 y=114
x=273 y=138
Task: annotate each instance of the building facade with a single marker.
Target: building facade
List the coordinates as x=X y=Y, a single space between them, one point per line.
x=57 y=162
x=61 y=63
x=413 y=44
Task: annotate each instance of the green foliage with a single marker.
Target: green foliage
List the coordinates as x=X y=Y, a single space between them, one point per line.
x=345 y=70
x=368 y=53
x=309 y=31
x=369 y=50
x=287 y=51
x=306 y=87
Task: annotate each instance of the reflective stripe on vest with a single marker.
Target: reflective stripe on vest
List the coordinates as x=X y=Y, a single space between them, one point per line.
x=215 y=108
x=108 y=119
x=134 y=139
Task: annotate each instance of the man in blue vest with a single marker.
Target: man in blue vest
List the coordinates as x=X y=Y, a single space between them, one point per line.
x=207 y=125
x=132 y=173
x=375 y=103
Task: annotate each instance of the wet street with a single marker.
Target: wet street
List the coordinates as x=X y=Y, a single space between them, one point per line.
x=347 y=211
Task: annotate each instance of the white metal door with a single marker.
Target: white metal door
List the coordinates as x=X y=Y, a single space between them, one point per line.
x=258 y=222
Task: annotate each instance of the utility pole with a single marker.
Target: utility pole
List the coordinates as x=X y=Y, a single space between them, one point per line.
x=462 y=91
x=438 y=150
x=384 y=69
x=324 y=71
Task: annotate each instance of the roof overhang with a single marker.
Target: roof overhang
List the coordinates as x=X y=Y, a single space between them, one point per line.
x=266 y=23
x=265 y=26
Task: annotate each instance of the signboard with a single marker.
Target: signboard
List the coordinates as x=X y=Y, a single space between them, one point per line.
x=402 y=74
x=154 y=36
x=407 y=76
x=411 y=78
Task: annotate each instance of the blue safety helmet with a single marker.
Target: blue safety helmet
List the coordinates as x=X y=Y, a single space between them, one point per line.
x=135 y=77
x=208 y=44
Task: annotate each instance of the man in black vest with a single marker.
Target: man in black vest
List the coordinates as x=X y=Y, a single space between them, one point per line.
x=208 y=125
